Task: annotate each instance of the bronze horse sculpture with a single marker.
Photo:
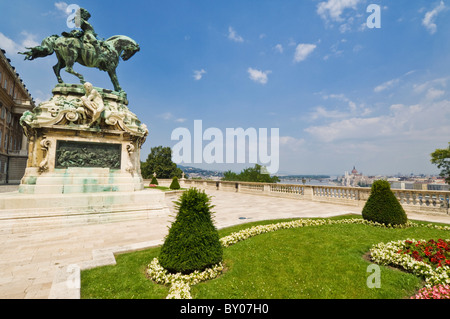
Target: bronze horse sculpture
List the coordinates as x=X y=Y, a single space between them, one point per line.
x=72 y=49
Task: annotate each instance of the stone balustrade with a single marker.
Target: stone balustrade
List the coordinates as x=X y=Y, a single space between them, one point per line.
x=419 y=201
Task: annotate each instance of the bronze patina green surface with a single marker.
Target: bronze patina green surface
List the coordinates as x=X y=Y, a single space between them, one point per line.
x=83 y=47
x=82 y=154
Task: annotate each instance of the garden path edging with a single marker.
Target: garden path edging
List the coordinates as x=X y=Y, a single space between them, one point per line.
x=67 y=280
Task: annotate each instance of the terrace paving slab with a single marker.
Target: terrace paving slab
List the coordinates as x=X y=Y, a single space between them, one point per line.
x=29 y=261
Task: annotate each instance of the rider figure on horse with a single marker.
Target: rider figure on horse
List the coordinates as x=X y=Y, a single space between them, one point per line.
x=87 y=35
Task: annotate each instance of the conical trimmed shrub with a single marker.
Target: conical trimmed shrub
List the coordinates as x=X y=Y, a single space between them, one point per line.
x=193 y=241
x=175 y=185
x=154 y=181
x=383 y=207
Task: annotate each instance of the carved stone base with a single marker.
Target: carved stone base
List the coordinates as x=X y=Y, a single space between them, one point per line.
x=83 y=165
x=69 y=153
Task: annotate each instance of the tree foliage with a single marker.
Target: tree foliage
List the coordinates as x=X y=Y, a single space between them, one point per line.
x=193 y=241
x=154 y=181
x=159 y=161
x=383 y=207
x=175 y=184
x=251 y=174
x=441 y=158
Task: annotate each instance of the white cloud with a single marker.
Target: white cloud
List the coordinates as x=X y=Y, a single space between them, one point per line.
x=232 y=35
x=432 y=89
x=321 y=112
x=403 y=123
x=429 y=19
x=434 y=94
x=303 y=50
x=279 y=48
x=341 y=97
x=333 y=9
x=198 y=74
x=61 y=6
x=12 y=47
x=169 y=116
x=258 y=76
x=392 y=83
x=386 y=85
x=291 y=143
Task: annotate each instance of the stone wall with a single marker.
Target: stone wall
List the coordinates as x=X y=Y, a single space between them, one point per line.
x=418 y=201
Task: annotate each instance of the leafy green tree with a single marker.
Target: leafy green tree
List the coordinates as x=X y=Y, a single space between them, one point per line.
x=441 y=158
x=159 y=161
x=251 y=174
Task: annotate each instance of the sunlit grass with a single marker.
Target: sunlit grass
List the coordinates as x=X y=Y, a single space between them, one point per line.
x=324 y=262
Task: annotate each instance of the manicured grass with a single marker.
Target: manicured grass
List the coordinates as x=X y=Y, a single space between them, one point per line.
x=324 y=262
x=163 y=188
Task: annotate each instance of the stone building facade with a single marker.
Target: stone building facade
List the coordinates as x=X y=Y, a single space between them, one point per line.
x=14 y=101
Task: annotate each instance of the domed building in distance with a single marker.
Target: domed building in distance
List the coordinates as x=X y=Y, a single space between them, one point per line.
x=355 y=179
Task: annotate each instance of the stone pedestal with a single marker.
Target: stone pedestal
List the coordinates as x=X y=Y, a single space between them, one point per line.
x=81 y=142
x=84 y=160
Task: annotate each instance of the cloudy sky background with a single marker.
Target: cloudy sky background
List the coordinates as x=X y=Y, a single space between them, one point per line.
x=341 y=94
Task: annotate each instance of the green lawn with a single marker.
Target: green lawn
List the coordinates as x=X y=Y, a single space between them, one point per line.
x=163 y=188
x=324 y=262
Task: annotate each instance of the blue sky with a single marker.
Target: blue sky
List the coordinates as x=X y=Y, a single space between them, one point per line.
x=341 y=94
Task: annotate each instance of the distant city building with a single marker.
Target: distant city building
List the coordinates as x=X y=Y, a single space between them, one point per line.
x=356 y=179
x=14 y=101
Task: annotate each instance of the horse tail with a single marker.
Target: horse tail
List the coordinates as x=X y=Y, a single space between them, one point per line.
x=45 y=49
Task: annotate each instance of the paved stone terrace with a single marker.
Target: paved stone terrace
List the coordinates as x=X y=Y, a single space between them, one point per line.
x=29 y=261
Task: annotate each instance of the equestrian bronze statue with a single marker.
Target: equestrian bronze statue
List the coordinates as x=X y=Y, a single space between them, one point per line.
x=86 y=49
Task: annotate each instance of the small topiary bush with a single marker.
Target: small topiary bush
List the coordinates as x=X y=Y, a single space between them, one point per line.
x=154 y=181
x=175 y=185
x=383 y=207
x=193 y=241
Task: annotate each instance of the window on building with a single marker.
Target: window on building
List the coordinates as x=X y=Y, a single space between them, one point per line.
x=5 y=85
x=3 y=114
x=8 y=120
x=6 y=142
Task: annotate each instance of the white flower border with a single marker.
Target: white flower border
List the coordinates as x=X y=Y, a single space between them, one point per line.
x=180 y=285
x=384 y=254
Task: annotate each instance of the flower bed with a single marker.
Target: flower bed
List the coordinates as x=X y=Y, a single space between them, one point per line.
x=436 y=292
x=384 y=254
x=434 y=253
x=399 y=253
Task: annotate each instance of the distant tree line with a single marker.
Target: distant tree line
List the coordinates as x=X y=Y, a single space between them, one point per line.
x=159 y=161
x=305 y=176
x=251 y=174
